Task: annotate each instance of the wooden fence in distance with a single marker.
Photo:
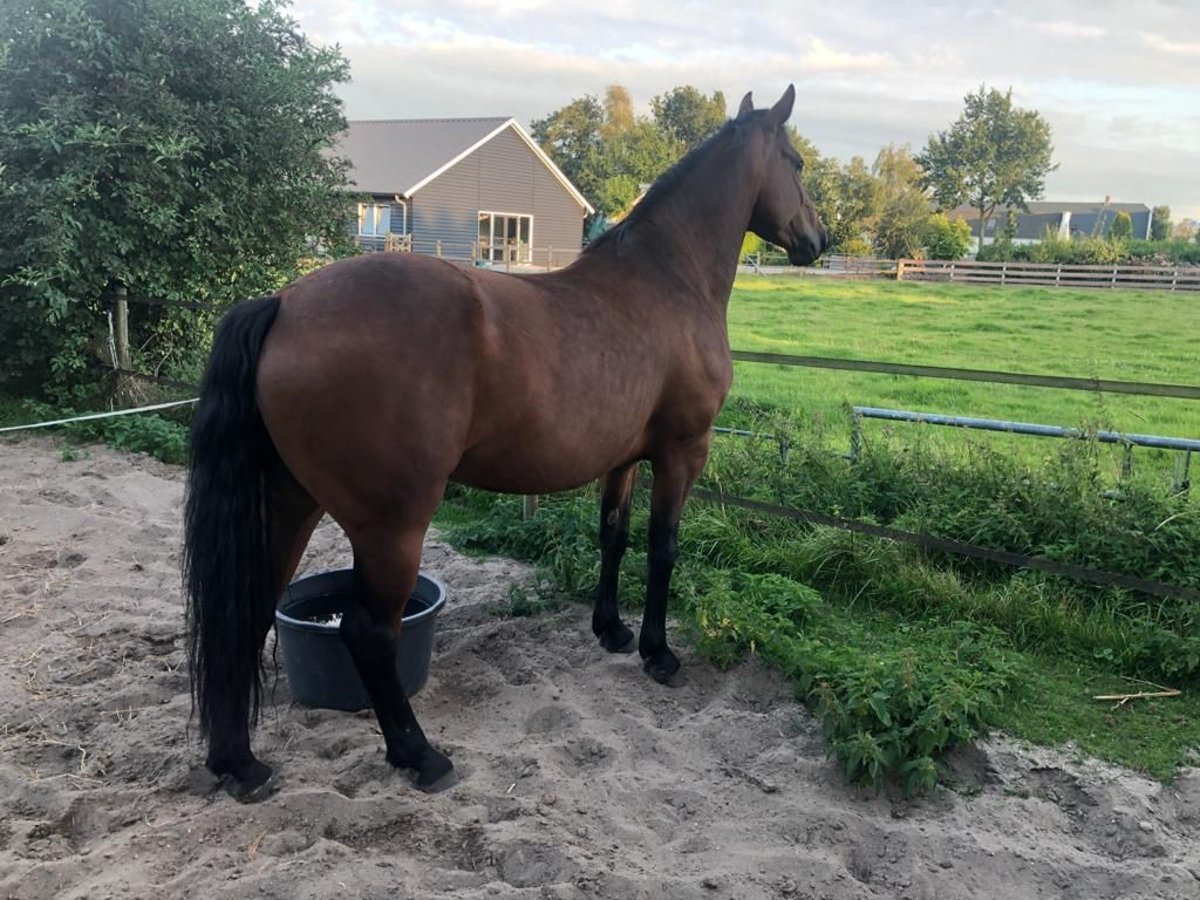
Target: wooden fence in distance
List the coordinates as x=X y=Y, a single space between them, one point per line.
x=1165 y=278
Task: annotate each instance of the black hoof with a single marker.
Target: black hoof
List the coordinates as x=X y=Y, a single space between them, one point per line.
x=661 y=666
x=434 y=773
x=616 y=638
x=432 y=783
x=249 y=783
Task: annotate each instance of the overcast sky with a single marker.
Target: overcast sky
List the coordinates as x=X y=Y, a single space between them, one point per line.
x=1119 y=82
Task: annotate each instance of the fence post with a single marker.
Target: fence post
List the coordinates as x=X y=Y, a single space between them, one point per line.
x=900 y=269
x=438 y=247
x=1181 y=482
x=121 y=337
x=1058 y=275
x=1003 y=272
x=855 y=436
x=529 y=506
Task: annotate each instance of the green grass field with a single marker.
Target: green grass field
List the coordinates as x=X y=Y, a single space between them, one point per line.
x=1149 y=336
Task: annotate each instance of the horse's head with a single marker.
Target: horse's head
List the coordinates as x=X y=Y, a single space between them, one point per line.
x=783 y=211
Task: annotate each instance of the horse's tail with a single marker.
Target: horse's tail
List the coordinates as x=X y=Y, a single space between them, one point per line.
x=226 y=559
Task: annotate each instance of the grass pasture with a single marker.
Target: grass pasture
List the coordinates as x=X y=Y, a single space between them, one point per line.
x=1147 y=336
x=899 y=653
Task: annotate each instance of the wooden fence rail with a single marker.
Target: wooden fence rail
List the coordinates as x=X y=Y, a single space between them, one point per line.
x=1166 y=278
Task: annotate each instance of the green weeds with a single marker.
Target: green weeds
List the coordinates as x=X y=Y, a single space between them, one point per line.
x=903 y=653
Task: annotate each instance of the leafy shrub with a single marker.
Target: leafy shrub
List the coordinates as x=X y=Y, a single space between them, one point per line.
x=1095 y=251
x=164 y=438
x=946 y=239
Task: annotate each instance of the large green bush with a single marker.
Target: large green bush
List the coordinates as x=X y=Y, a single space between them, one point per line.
x=945 y=238
x=179 y=148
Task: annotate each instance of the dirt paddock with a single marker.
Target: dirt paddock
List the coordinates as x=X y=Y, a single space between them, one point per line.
x=579 y=776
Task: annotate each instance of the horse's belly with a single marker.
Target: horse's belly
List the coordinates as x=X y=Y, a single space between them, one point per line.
x=533 y=466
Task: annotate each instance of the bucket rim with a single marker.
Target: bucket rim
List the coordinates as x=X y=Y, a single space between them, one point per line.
x=416 y=618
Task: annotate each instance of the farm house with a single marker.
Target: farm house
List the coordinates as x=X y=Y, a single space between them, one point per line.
x=1065 y=220
x=477 y=188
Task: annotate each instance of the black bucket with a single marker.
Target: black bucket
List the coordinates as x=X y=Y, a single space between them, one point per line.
x=319 y=669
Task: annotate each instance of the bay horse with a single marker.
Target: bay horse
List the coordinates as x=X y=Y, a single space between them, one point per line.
x=365 y=387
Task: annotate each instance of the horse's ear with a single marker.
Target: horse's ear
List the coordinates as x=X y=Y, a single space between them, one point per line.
x=747 y=105
x=782 y=111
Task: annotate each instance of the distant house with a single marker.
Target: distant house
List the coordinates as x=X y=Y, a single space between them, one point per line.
x=1066 y=220
x=464 y=188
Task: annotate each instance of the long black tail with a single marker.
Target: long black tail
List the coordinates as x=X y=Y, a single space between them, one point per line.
x=226 y=560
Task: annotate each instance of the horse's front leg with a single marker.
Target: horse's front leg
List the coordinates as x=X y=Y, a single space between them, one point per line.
x=614 y=635
x=675 y=470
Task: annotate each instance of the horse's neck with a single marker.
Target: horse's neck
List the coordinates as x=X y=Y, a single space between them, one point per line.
x=700 y=225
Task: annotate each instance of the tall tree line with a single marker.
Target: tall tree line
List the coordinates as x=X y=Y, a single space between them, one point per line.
x=611 y=154
x=994 y=154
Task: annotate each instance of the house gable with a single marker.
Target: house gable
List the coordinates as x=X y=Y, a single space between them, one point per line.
x=502 y=176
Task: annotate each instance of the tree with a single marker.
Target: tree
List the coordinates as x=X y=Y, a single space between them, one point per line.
x=995 y=153
x=686 y=117
x=631 y=161
x=896 y=169
x=904 y=213
x=571 y=136
x=1122 y=227
x=180 y=148
x=902 y=224
x=1160 y=223
x=848 y=200
x=604 y=149
x=618 y=113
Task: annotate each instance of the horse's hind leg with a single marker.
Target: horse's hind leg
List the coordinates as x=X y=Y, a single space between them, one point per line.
x=386 y=560
x=674 y=473
x=614 y=635
x=294 y=515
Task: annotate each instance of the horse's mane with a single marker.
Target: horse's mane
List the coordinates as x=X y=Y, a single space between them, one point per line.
x=665 y=184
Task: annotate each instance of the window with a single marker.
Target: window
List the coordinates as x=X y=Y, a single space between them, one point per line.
x=374 y=219
x=505 y=237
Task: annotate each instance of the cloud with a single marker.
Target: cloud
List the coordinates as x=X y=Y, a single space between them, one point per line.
x=865 y=75
x=1070 y=29
x=821 y=57
x=1182 y=48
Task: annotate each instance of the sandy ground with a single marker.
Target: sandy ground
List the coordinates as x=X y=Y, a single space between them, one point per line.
x=580 y=777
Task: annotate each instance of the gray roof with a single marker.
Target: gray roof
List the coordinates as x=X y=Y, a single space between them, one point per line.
x=399 y=156
x=393 y=156
x=1047 y=207
x=1044 y=206
x=1030 y=226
